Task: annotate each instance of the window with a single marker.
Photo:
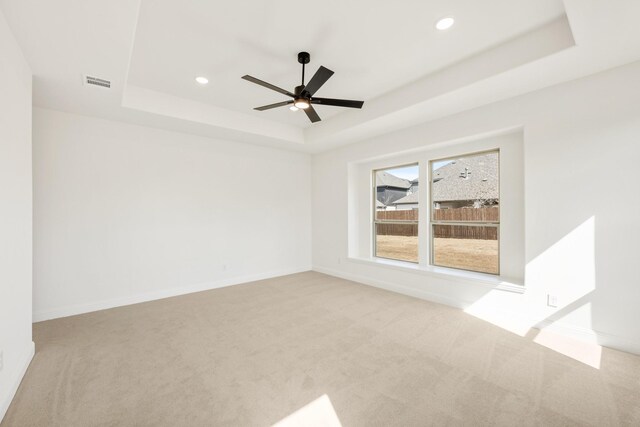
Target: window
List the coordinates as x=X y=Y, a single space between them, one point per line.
x=395 y=213
x=465 y=212
x=463 y=219
x=477 y=237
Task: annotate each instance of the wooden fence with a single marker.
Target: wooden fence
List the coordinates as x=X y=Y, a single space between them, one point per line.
x=467 y=214
x=397 y=229
x=408 y=215
x=465 y=232
x=444 y=231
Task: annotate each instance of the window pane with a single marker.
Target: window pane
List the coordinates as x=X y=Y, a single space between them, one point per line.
x=466 y=247
x=397 y=241
x=396 y=190
x=466 y=188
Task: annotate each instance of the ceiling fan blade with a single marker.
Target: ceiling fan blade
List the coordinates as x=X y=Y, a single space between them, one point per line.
x=319 y=78
x=337 y=102
x=311 y=113
x=268 y=85
x=276 y=105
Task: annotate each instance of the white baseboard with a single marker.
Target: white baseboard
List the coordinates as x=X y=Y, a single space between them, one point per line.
x=394 y=287
x=572 y=331
x=73 y=310
x=604 y=339
x=5 y=401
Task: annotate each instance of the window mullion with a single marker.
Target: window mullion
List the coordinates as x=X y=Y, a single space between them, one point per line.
x=424 y=233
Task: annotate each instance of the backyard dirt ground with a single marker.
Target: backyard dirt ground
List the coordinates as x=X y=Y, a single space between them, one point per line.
x=468 y=254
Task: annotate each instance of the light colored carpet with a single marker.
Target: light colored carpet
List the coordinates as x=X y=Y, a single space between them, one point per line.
x=253 y=354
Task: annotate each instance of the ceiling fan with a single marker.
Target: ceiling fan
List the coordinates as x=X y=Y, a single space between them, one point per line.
x=302 y=95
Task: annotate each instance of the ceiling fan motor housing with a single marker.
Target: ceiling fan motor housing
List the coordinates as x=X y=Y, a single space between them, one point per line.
x=304 y=57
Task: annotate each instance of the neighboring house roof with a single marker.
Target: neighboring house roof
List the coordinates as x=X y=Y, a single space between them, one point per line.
x=379 y=204
x=481 y=182
x=415 y=181
x=385 y=179
x=406 y=200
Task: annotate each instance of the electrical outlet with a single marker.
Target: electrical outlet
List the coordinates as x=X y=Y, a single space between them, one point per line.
x=339 y=260
x=224 y=267
x=552 y=300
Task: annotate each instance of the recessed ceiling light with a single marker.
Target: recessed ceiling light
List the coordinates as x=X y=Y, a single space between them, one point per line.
x=293 y=108
x=202 y=80
x=445 y=23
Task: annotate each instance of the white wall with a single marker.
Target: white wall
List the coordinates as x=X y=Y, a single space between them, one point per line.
x=125 y=213
x=581 y=198
x=16 y=347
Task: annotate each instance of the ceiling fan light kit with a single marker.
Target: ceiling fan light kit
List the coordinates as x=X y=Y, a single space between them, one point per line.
x=302 y=95
x=301 y=104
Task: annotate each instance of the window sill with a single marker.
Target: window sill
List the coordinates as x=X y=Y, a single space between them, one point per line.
x=487 y=280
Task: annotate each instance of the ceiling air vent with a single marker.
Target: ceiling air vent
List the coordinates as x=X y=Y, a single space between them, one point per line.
x=94 y=81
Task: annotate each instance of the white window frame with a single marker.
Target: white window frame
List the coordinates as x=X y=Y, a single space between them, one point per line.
x=512 y=209
x=374 y=210
x=431 y=212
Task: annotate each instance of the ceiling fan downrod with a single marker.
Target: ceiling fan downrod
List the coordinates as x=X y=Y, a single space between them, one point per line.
x=304 y=58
